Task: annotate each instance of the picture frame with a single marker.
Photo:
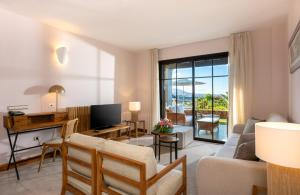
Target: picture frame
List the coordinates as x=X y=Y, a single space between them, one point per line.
x=294 y=50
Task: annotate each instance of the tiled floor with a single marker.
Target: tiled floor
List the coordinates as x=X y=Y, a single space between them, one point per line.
x=48 y=181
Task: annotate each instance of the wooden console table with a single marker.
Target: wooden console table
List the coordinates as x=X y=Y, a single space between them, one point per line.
x=16 y=125
x=102 y=132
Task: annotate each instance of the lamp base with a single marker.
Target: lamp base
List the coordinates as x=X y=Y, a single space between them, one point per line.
x=134 y=116
x=282 y=180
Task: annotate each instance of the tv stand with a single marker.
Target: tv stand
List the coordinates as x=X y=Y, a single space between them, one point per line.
x=107 y=132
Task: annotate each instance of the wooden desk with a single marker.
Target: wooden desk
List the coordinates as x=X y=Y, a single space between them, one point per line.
x=16 y=125
x=102 y=132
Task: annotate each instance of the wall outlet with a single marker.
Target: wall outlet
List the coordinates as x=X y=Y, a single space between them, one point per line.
x=35 y=138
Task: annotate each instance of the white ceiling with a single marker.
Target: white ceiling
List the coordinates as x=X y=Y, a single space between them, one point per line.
x=145 y=24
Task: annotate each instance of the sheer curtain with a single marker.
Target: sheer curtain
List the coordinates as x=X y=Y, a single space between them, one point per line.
x=155 y=113
x=240 y=79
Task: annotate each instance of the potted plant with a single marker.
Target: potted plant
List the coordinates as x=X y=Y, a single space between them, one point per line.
x=164 y=126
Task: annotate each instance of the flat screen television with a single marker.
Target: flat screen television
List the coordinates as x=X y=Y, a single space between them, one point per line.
x=105 y=116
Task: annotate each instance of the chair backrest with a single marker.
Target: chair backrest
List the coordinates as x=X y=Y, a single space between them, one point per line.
x=69 y=128
x=126 y=168
x=79 y=162
x=74 y=181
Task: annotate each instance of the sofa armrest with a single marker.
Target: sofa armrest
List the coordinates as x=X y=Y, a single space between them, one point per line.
x=238 y=128
x=224 y=176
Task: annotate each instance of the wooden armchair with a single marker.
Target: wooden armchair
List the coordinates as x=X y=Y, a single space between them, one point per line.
x=117 y=168
x=119 y=173
x=180 y=118
x=74 y=181
x=79 y=169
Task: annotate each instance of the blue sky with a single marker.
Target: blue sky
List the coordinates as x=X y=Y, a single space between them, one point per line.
x=220 y=83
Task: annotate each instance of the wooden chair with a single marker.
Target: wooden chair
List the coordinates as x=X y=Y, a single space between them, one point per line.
x=79 y=170
x=56 y=143
x=143 y=184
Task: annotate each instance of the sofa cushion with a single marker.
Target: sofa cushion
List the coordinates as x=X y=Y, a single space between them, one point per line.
x=250 y=125
x=233 y=139
x=228 y=150
x=137 y=153
x=246 y=151
x=84 y=140
x=273 y=117
x=246 y=137
x=170 y=183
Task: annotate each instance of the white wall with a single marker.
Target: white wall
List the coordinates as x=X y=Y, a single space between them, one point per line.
x=270 y=70
x=294 y=107
x=96 y=72
x=195 y=49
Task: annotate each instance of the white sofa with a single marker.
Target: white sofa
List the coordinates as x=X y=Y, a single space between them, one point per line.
x=223 y=175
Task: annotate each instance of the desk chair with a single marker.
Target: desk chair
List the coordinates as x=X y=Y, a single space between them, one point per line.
x=69 y=128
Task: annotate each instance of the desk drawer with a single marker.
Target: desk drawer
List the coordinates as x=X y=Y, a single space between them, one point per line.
x=60 y=116
x=19 y=121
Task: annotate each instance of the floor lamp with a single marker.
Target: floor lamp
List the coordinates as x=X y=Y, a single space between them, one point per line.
x=57 y=89
x=279 y=145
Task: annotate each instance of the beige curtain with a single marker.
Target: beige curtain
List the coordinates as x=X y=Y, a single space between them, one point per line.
x=154 y=115
x=240 y=80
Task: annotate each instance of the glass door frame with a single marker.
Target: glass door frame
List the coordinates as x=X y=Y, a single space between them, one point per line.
x=192 y=60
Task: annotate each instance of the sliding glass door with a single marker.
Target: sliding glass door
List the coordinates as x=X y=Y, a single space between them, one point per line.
x=194 y=92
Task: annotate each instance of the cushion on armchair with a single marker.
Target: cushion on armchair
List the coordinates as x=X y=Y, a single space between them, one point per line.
x=138 y=153
x=84 y=140
x=170 y=183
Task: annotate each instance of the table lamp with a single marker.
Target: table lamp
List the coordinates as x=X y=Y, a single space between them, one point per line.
x=279 y=145
x=57 y=89
x=134 y=108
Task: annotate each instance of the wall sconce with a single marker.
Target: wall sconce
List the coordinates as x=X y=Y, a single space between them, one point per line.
x=61 y=54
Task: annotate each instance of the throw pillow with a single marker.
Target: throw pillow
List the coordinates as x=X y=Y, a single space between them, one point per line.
x=246 y=151
x=276 y=118
x=250 y=125
x=243 y=139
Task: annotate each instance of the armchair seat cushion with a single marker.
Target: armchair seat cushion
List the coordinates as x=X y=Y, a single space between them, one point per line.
x=137 y=153
x=170 y=183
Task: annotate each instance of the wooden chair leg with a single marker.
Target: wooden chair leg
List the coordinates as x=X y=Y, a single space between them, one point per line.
x=42 y=156
x=158 y=149
x=63 y=190
x=185 y=191
x=54 y=154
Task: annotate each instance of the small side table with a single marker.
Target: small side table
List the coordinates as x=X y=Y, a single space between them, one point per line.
x=135 y=124
x=169 y=139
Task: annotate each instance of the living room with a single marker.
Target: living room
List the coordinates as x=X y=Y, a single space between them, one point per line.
x=205 y=66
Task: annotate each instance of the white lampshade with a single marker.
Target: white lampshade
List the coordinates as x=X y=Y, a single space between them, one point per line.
x=278 y=143
x=134 y=106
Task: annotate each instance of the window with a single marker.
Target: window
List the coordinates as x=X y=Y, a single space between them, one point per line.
x=194 y=92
